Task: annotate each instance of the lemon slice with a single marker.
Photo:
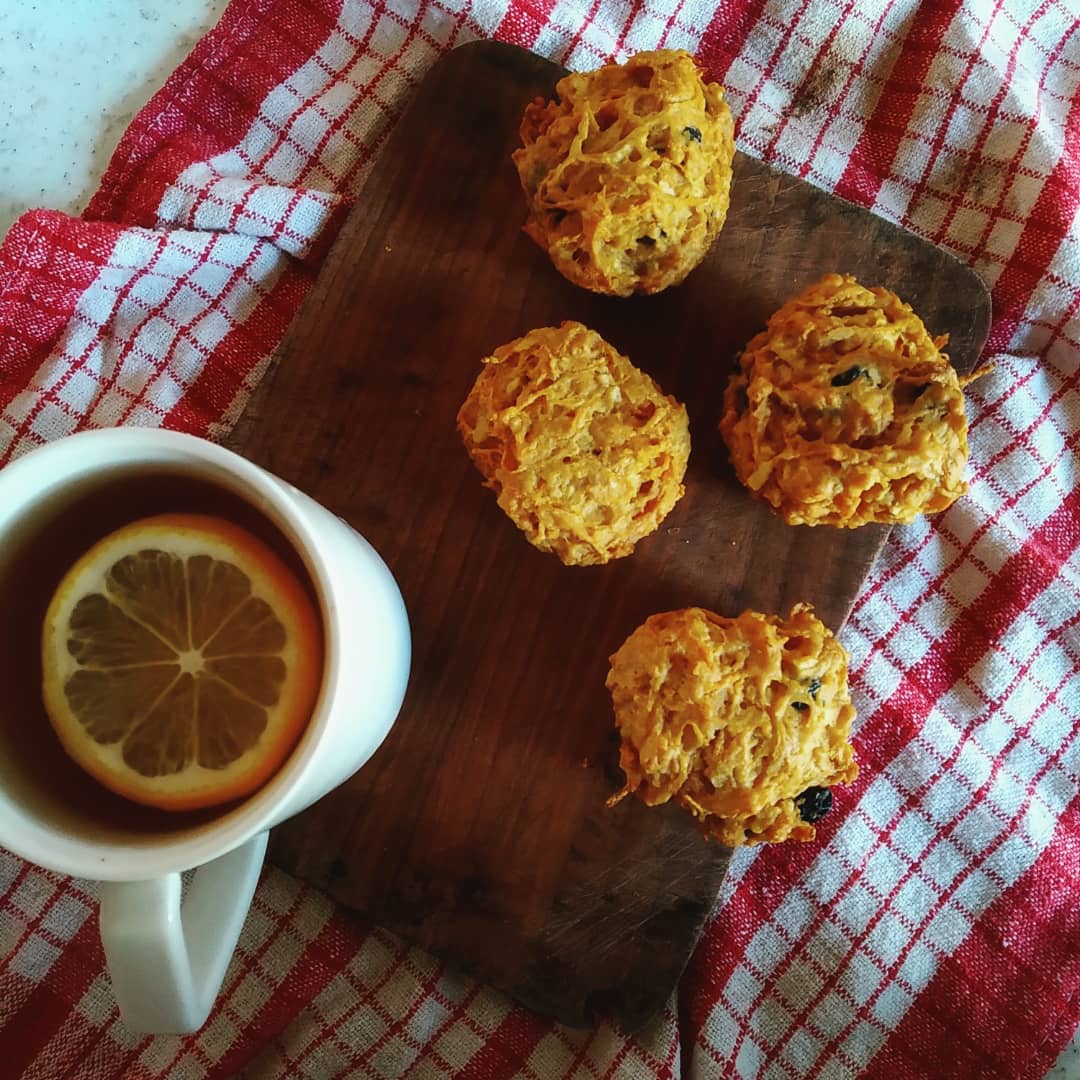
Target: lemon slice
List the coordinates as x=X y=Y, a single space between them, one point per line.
x=181 y=660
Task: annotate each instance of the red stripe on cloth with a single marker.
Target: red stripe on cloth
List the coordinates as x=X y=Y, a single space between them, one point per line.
x=103 y=1056
x=338 y=126
x=588 y=18
x=975 y=155
x=181 y=329
x=66 y=1056
x=899 y=720
x=366 y=996
x=968 y=1020
x=398 y=1021
x=47 y=261
x=323 y=958
x=161 y=360
x=508 y=1047
x=216 y=387
x=943 y=903
x=644 y=1054
x=872 y=158
x=726 y=35
x=456 y=1012
x=523 y=20
x=321 y=245
x=968 y=549
x=1048 y=222
x=939 y=136
x=887 y=731
x=209 y=102
x=74 y=364
x=10 y=982
x=47 y=1008
x=1024 y=575
x=284 y=128
x=823 y=47
x=856 y=71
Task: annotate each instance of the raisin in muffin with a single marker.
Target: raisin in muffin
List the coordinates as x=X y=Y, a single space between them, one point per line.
x=845 y=411
x=744 y=722
x=583 y=450
x=627 y=172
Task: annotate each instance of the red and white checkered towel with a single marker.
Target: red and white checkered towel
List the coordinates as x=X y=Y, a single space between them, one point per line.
x=934 y=930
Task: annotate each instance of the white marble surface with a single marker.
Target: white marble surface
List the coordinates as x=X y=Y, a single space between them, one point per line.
x=72 y=75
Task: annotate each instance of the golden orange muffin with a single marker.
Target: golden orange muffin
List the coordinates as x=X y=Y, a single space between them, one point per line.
x=583 y=450
x=744 y=722
x=627 y=172
x=845 y=411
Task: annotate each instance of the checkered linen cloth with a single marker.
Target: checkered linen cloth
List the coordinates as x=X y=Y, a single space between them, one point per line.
x=933 y=929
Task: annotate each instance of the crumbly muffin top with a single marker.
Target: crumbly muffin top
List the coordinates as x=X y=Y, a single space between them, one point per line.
x=744 y=722
x=627 y=172
x=584 y=451
x=845 y=411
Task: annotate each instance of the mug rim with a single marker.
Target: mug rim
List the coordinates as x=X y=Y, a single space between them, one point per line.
x=49 y=846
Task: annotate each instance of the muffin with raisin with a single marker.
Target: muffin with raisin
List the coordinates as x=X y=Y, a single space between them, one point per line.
x=627 y=172
x=845 y=411
x=744 y=722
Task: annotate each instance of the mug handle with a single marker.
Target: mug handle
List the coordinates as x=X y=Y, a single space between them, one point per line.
x=167 y=961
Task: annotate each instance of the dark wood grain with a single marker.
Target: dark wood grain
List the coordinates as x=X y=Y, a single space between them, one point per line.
x=479 y=829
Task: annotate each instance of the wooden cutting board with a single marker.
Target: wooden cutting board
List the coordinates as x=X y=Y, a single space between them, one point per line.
x=479 y=829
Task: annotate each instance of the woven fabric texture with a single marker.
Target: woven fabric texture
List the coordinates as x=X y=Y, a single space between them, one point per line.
x=933 y=929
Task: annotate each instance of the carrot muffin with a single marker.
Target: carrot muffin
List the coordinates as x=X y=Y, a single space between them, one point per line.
x=583 y=450
x=627 y=172
x=845 y=411
x=744 y=722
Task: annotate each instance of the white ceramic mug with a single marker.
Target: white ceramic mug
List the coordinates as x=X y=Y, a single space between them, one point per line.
x=167 y=959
